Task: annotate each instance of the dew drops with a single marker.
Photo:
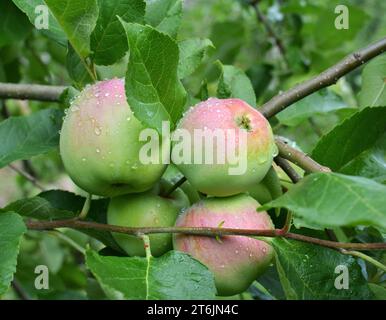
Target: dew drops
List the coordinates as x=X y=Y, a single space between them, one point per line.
x=237 y=252
x=128 y=118
x=107 y=94
x=264 y=249
x=97 y=150
x=250 y=255
x=84 y=159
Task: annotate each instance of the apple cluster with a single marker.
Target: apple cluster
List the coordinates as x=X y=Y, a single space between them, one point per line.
x=100 y=146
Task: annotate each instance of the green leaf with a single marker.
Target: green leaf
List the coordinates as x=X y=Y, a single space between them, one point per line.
x=27 y=136
x=373 y=91
x=76 y=69
x=320 y=102
x=370 y=163
x=56 y=204
x=10 y=31
x=153 y=90
x=174 y=275
x=54 y=30
x=164 y=15
x=77 y=18
x=378 y=291
x=11 y=230
x=192 y=52
x=234 y=83
x=353 y=136
x=308 y=272
x=108 y=40
x=335 y=200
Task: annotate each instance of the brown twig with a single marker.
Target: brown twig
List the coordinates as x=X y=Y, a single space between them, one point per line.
x=202 y=231
x=291 y=173
x=30 y=92
x=26 y=175
x=299 y=158
x=271 y=33
x=324 y=79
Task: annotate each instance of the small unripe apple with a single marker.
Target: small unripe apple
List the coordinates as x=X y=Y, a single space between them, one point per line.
x=147 y=209
x=99 y=143
x=236 y=261
x=268 y=189
x=225 y=115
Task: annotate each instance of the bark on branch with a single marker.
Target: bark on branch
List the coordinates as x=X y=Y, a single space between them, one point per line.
x=325 y=79
x=30 y=92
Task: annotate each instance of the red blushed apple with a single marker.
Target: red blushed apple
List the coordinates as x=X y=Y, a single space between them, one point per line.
x=236 y=261
x=100 y=146
x=224 y=114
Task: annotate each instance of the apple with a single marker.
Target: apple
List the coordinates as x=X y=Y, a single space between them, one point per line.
x=99 y=143
x=227 y=114
x=147 y=209
x=268 y=189
x=235 y=261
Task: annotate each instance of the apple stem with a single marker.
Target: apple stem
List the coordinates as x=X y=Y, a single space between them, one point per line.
x=178 y=184
x=86 y=207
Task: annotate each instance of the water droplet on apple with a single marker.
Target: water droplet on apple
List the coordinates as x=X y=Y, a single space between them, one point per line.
x=84 y=159
x=97 y=150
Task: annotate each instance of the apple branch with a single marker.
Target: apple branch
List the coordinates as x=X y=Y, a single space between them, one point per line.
x=324 y=79
x=201 y=231
x=30 y=92
x=299 y=158
x=271 y=33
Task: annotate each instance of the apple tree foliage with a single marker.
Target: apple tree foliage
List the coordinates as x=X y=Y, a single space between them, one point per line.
x=172 y=55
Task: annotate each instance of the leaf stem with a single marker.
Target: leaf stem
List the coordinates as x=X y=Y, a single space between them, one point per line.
x=173 y=188
x=365 y=257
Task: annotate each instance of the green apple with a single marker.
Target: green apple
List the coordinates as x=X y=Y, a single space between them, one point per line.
x=99 y=143
x=147 y=209
x=224 y=116
x=235 y=261
x=268 y=189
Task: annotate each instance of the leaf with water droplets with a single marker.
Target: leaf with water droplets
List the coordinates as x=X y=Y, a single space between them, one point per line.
x=174 y=275
x=331 y=200
x=309 y=272
x=153 y=90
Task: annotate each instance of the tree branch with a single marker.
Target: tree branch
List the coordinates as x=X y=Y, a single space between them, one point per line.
x=271 y=33
x=26 y=175
x=299 y=158
x=291 y=173
x=30 y=92
x=325 y=79
x=202 y=231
